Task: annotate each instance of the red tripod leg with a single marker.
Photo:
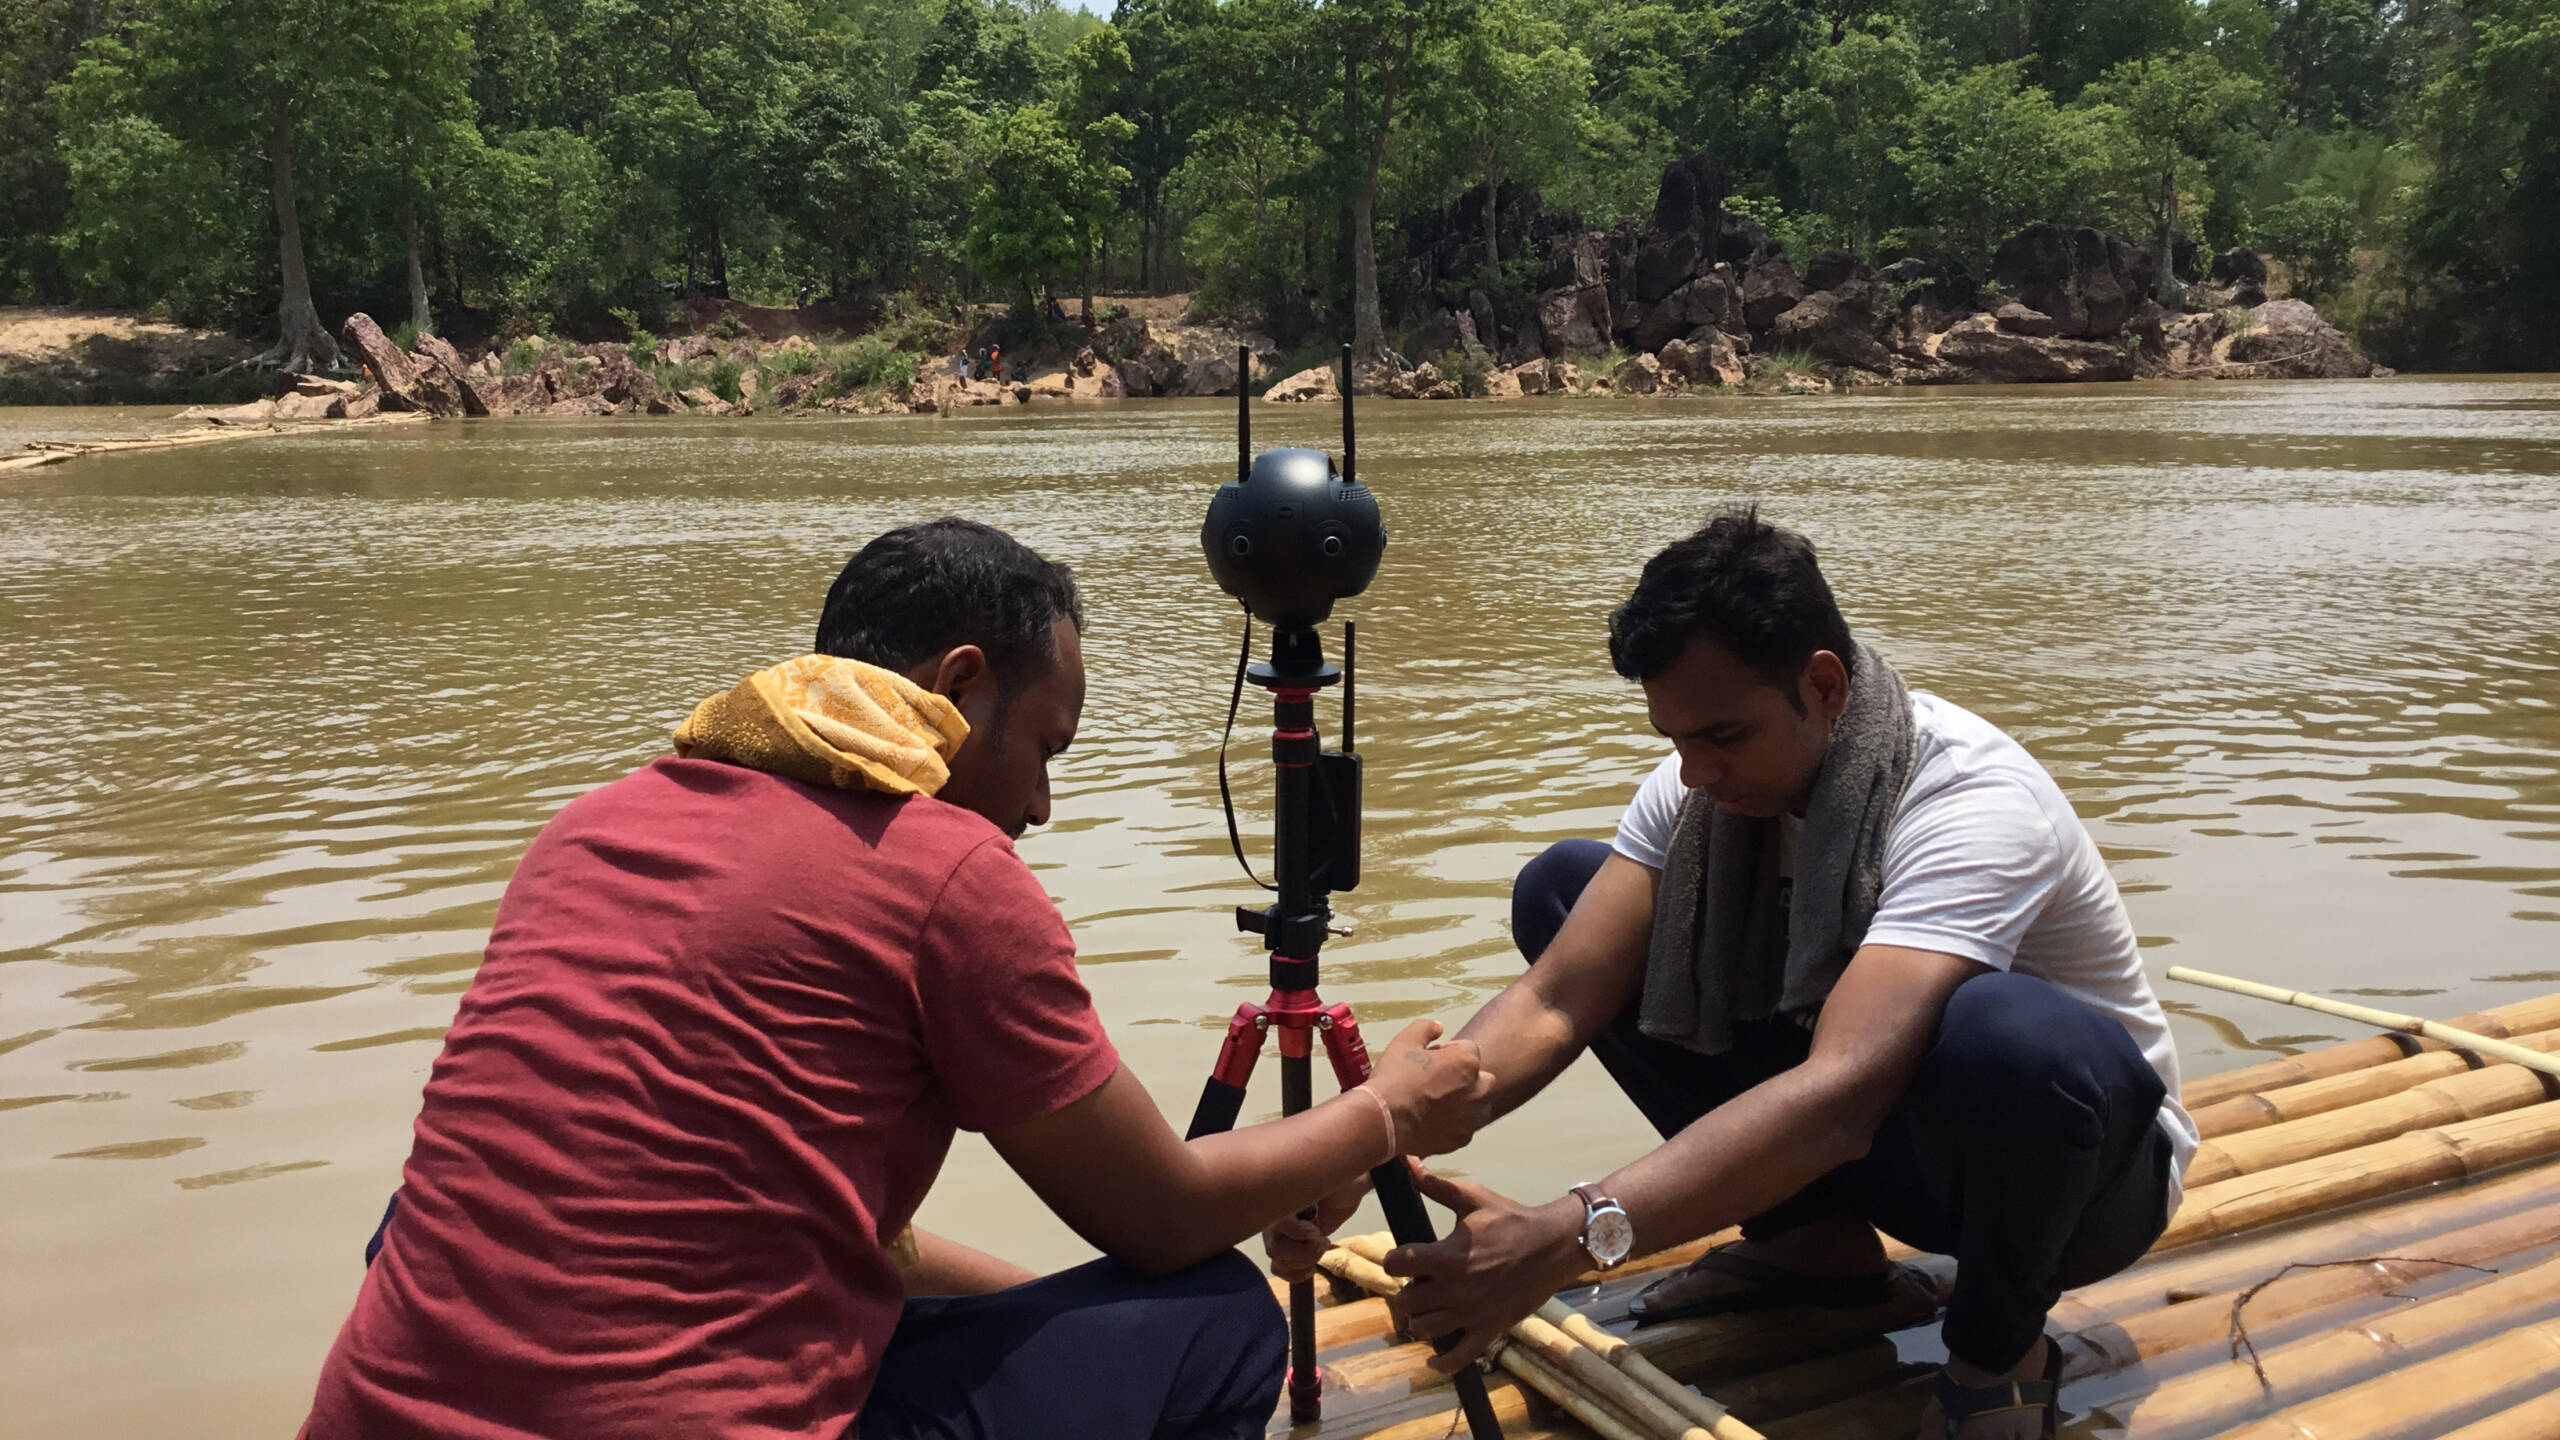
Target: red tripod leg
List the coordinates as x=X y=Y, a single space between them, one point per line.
x=1223 y=1098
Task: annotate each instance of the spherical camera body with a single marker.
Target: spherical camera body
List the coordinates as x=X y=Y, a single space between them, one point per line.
x=1292 y=537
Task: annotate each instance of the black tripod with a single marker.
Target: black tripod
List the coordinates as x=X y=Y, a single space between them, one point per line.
x=1317 y=851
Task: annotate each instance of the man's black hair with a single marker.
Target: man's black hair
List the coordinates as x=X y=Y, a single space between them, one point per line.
x=923 y=589
x=1749 y=586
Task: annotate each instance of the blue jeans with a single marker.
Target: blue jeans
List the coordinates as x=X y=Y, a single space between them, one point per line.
x=2028 y=1147
x=1099 y=1351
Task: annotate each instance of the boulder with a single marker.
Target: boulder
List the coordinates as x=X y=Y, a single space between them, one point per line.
x=1574 y=319
x=288 y=383
x=1563 y=379
x=703 y=402
x=793 y=390
x=1204 y=358
x=1826 y=269
x=256 y=412
x=682 y=348
x=1839 y=325
x=1502 y=385
x=526 y=394
x=2147 y=325
x=624 y=383
x=1573 y=261
x=1711 y=299
x=1529 y=377
x=1691 y=197
x=1663 y=264
x=1931 y=283
x=1314 y=383
x=296 y=406
x=1981 y=352
x=750 y=385
x=435 y=356
x=1741 y=243
x=1101 y=382
x=582 y=406
x=363 y=405
x=2238 y=265
x=2017 y=319
x=1706 y=357
x=2187 y=346
x=396 y=375
x=2073 y=274
x=1637 y=375
x=1769 y=289
x=2287 y=340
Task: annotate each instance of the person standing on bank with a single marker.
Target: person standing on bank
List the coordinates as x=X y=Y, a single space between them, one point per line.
x=733 y=1007
x=1855 y=958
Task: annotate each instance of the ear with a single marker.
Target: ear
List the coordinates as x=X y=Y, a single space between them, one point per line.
x=1826 y=685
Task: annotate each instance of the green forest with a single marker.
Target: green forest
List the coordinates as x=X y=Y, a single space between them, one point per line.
x=555 y=166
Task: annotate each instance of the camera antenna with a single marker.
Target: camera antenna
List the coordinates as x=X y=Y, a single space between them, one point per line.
x=1350 y=449
x=1244 y=415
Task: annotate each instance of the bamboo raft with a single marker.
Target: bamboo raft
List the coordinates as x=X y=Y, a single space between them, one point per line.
x=2368 y=1249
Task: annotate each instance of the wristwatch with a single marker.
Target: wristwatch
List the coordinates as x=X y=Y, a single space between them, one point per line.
x=1608 y=1236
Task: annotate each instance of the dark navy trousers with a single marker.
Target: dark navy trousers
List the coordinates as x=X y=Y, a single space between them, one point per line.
x=1099 y=1351
x=2028 y=1147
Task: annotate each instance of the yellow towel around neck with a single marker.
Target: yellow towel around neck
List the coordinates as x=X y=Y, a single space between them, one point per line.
x=825 y=720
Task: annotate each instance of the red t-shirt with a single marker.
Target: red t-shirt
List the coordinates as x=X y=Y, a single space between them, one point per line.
x=710 y=1066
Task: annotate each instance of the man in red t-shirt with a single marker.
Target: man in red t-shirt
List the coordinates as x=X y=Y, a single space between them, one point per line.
x=726 y=1026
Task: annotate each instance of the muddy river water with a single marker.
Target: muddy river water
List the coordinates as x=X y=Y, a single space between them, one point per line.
x=277 y=718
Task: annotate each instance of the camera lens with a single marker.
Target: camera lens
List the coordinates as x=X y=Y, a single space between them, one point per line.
x=1241 y=545
x=1333 y=547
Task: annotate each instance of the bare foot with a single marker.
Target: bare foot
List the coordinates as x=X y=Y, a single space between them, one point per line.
x=1830 y=1249
x=2024 y=1424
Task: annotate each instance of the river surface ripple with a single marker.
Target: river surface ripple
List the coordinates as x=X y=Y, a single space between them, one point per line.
x=282 y=715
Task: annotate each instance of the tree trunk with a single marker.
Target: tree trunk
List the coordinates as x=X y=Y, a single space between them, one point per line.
x=1368 y=324
x=719 y=263
x=300 y=335
x=1492 y=222
x=421 y=319
x=2165 y=285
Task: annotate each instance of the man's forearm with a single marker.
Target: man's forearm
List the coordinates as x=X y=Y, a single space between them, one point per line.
x=940 y=1266
x=1740 y=1158
x=1526 y=1042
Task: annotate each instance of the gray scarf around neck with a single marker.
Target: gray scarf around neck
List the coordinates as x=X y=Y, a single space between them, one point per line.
x=1722 y=953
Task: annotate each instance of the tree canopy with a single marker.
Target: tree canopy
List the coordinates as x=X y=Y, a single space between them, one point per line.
x=509 y=165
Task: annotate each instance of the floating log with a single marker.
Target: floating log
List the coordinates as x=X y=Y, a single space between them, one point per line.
x=2502 y=1370
x=2466 y=1096
x=2225 y=1394
x=2503 y=1022
x=54 y=452
x=2404 y=1162
x=2460 y=1039
x=2356 y=1087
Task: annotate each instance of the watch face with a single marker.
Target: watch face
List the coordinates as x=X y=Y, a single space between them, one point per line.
x=1610 y=1236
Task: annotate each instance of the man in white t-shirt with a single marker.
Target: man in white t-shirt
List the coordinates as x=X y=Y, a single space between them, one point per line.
x=1855 y=958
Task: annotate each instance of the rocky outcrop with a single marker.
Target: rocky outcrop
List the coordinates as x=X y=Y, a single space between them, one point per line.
x=2289 y=341
x=1637 y=375
x=2083 y=278
x=1980 y=351
x=1838 y=324
x=405 y=383
x=1574 y=319
x=1316 y=383
x=1769 y=289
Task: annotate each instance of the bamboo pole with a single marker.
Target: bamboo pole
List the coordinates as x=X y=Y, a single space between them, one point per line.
x=54 y=452
x=2404 y=1162
x=2306 y=1369
x=2315 y=1097
x=2467 y=1096
x=2539 y=1013
x=2160 y=1280
x=1693 y=1408
x=2536 y=1419
x=1568 y=1361
x=2148 y=1339
x=2460 y=1039
x=2500 y=1370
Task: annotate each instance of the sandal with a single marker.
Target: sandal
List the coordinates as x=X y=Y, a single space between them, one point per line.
x=1767 y=1287
x=1959 y=1403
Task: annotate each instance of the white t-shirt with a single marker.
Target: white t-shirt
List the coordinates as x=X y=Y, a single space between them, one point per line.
x=1986 y=861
